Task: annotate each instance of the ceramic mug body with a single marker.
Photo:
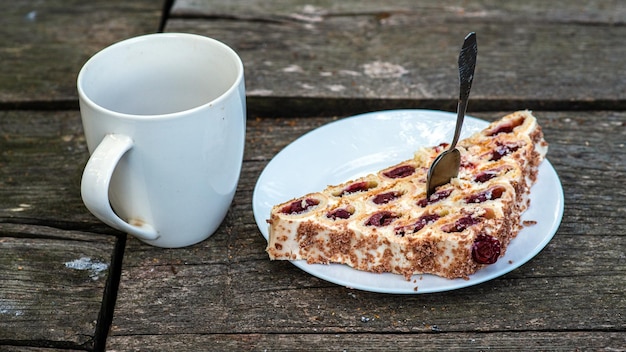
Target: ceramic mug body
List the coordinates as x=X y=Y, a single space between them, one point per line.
x=164 y=119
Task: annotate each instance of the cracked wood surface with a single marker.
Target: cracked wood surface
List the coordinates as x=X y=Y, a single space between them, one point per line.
x=225 y=292
x=357 y=56
x=56 y=260
x=307 y=64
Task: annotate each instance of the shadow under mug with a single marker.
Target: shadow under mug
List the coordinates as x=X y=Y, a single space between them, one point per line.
x=164 y=116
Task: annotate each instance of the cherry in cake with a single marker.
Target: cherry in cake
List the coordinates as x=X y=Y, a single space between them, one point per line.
x=383 y=222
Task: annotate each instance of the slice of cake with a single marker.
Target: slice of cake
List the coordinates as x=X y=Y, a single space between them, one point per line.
x=384 y=223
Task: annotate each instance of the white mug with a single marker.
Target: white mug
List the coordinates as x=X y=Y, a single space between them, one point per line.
x=164 y=117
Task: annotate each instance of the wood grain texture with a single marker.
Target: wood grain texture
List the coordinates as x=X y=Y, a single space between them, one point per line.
x=44 y=44
x=571 y=290
x=548 y=341
x=41 y=161
x=7 y=348
x=56 y=257
x=361 y=57
x=56 y=263
x=309 y=63
x=51 y=285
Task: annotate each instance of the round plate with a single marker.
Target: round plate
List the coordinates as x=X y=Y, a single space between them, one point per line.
x=363 y=144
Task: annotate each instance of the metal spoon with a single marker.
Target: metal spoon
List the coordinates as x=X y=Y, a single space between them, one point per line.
x=446 y=165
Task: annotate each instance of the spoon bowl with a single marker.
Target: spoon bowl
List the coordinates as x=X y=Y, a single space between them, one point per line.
x=444 y=168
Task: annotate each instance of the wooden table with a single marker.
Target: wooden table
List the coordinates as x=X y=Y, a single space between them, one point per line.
x=68 y=282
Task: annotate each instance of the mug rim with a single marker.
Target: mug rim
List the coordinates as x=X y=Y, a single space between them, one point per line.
x=234 y=86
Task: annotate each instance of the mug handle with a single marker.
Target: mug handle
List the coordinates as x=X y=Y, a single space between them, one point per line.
x=97 y=178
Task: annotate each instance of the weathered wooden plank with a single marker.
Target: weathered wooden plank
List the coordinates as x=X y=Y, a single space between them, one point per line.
x=502 y=341
x=56 y=257
x=7 y=348
x=230 y=270
x=580 y=11
x=346 y=57
x=43 y=44
x=41 y=159
x=570 y=291
x=51 y=285
x=256 y=296
x=323 y=56
x=228 y=279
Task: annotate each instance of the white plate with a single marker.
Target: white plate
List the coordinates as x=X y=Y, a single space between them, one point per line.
x=355 y=146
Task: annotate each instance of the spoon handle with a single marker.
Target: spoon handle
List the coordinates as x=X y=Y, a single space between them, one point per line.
x=467 y=64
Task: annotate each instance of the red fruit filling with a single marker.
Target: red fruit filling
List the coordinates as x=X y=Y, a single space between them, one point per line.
x=435 y=197
x=400 y=171
x=461 y=224
x=441 y=147
x=299 y=206
x=506 y=127
x=387 y=197
x=502 y=150
x=489 y=194
x=418 y=225
x=357 y=187
x=339 y=214
x=382 y=218
x=467 y=164
x=485 y=249
x=485 y=176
